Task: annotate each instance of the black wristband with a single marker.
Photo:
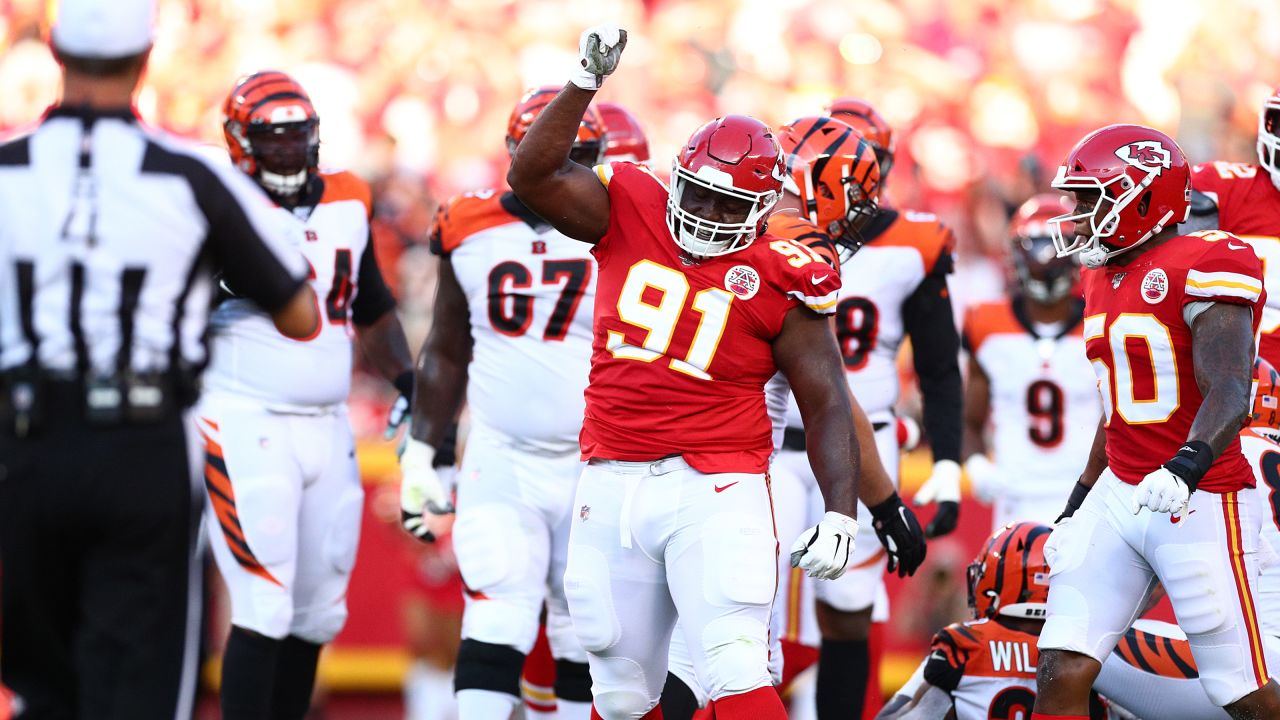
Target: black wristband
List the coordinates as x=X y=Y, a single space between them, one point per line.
x=886 y=508
x=1078 y=494
x=404 y=383
x=1191 y=463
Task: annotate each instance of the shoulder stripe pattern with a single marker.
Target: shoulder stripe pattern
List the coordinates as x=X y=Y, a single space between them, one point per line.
x=825 y=304
x=605 y=173
x=1220 y=284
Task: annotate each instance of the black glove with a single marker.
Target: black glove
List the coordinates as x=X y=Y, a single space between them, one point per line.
x=900 y=534
x=1078 y=494
x=944 y=520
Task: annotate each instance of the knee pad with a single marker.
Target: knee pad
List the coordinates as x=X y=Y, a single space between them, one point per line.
x=511 y=621
x=489 y=544
x=344 y=531
x=561 y=637
x=737 y=655
x=320 y=625
x=590 y=598
x=739 y=560
x=1193 y=582
x=620 y=689
x=485 y=666
x=573 y=681
x=268 y=613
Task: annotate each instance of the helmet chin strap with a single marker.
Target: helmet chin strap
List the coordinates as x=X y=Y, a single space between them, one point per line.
x=1094 y=257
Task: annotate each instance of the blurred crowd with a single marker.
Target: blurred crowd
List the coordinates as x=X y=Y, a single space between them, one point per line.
x=986 y=95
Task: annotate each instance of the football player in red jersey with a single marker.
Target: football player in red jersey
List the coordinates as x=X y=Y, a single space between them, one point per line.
x=1244 y=200
x=1169 y=326
x=697 y=309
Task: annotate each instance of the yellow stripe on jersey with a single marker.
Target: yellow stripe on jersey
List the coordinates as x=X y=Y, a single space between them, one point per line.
x=605 y=173
x=1208 y=284
x=1223 y=284
x=825 y=304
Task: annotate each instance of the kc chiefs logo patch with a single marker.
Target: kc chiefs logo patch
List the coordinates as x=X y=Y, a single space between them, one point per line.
x=1155 y=286
x=743 y=281
x=1146 y=155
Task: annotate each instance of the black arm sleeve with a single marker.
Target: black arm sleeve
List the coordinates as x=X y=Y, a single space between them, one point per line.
x=927 y=318
x=373 y=297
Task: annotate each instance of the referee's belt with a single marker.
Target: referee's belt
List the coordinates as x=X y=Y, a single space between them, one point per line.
x=793 y=438
x=30 y=398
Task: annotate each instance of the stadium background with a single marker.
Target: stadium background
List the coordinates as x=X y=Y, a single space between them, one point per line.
x=986 y=96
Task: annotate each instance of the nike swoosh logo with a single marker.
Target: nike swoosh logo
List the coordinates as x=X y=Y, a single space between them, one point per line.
x=1175 y=519
x=1237 y=247
x=815 y=279
x=722 y=488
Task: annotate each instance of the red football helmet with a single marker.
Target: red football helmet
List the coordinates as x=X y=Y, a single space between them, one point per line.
x=1265 y=415
x=1143 y=184
x=724 y=183
x=587 y=150
x=1043 y=276
x=272 y=131
x=859 y=115
x=1010 y=576
x=1269 y=137
x=833 y=171
x=625 y=140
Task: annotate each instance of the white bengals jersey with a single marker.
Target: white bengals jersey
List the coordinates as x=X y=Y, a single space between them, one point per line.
x=876 y=282
x=1264 y=457
x=531 y=295
x=252 y=359
x=1044 y=399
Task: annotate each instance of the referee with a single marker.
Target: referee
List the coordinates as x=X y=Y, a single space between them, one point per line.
x=109 y=238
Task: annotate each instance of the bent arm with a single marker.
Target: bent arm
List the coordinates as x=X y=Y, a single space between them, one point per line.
x=384 y=346
x=806 y=353
x=1222 y=350
x=441 y=381
x=299 y=317
x=567 y=195
x=1097 y=456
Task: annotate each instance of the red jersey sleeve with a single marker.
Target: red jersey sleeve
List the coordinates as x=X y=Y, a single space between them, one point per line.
x=799 y=230
x=801 y=273
x=1227 y=271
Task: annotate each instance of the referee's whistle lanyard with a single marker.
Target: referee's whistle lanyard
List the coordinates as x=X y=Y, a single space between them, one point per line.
x=80 y=226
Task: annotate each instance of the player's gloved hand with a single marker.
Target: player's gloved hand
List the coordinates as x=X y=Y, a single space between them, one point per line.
x=599 y=49
x=900 y=534
x=421 y=489
x=985 y=478
x=1078 y=494
x=908 y=431
x=942 y=487
x=823 y=551
x=400 y=408
x=1161 y=491
x=1169 y=487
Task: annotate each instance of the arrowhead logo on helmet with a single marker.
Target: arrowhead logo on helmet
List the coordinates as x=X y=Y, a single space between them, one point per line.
x=1147 y=155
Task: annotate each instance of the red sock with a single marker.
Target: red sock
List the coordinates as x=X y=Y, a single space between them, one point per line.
x=654 y=714
x=759 y=704
x=1046 y=716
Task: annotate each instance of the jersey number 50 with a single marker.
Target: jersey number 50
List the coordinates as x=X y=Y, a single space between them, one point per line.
x=1146 y=373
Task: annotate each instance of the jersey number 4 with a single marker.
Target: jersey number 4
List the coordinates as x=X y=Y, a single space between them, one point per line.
x=341 y=288
x=510 y=312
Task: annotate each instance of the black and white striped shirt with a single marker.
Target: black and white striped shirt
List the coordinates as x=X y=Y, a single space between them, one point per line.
x=110 y=233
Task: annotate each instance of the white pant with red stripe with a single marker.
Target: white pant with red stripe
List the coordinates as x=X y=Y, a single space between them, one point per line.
x=651 y=540
x=1104 y=562
x=284 y=513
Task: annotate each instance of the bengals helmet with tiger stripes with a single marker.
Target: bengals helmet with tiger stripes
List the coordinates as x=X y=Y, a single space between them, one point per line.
x=625 y=138
x=1265 y=415
x=587 y=150
x=272 y=131
x=834 y=173
x=859 y=115
x=1010 y=576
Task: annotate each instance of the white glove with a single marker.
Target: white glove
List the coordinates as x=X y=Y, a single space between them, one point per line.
x=420 y=489
x=599 y=48
x=823 y=551
x=1161 y=491
x=943 y=484
x=985 y=478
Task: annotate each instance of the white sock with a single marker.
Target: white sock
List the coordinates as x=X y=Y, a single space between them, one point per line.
x=570 y=710
x=476 y=704
x=428 y=693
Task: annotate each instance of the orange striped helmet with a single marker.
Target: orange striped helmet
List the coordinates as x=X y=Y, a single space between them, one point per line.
x=834 y=173
x=587 y=150
x=875 y=130
x=272 y=131
x=1010 y=576
x=1266 y=398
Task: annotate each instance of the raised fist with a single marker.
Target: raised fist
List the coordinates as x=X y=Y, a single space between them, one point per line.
x=598 y=51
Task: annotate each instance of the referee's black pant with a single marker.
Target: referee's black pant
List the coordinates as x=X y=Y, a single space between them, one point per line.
x=100 y=596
